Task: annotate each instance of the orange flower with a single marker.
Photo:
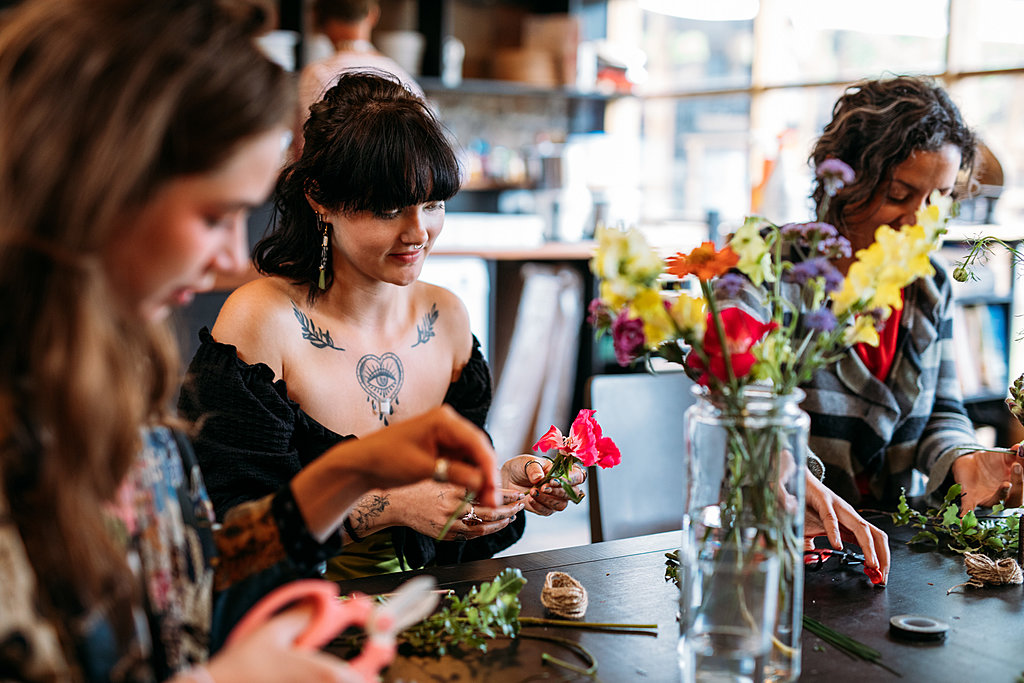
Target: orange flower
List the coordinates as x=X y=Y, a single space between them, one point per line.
x=704 y=262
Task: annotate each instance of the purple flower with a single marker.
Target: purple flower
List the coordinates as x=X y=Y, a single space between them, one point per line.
x=628 y=339
x=819 y=230
x=821 y=320
x=807 y=233
x=835 y=247
x=729 y=285
x=791 y=231
x=804 y=271
x=835 y=175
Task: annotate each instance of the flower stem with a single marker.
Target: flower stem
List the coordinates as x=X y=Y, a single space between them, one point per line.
x=583 y=653
x=470 y=495
x=976 y=449
x=538 y=621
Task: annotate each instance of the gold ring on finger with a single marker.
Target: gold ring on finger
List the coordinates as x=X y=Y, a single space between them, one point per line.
x=441 y=470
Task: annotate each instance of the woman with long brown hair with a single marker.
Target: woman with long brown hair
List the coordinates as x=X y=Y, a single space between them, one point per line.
x=135 y=137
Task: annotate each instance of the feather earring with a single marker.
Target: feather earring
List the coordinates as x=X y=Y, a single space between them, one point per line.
x=325 y=246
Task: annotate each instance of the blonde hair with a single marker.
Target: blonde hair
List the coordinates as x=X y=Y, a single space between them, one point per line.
x=101 y=102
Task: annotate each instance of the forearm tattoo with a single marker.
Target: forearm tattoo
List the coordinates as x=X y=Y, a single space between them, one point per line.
x=367 y=510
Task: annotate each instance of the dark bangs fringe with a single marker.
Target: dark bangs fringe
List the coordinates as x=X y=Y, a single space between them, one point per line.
x=403 y=161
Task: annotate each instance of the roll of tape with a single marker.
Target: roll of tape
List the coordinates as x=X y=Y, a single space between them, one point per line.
x=917 y=627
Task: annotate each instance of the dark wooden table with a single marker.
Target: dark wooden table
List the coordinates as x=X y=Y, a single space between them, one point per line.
x=625 y=583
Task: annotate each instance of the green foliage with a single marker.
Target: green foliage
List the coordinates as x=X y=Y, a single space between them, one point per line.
x=672 y=567
x=993 y=535
x=467 y=623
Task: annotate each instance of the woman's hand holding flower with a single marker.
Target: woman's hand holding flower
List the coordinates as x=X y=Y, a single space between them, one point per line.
x=525 y=473
x=584 y=446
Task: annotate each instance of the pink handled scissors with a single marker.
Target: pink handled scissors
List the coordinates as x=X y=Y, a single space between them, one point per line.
x=413 y=602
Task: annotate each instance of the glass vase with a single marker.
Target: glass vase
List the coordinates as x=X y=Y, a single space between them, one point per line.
x=741 y=569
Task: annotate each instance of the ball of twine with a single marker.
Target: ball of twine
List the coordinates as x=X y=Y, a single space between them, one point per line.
x=564 y=596
x=984 y=570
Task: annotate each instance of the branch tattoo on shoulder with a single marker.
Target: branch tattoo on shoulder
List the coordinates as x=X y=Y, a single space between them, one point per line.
x=425 y=332
x=318 y=337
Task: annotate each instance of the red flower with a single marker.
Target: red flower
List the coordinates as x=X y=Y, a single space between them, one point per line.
x=585 y=442
x=703 y=261
x=742 y=331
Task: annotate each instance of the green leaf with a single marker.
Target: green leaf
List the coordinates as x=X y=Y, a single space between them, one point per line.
x=994 y=535
x=969 y=521
x=570 y=491
x=924 y=537
x=951 y=517
x=952 y=493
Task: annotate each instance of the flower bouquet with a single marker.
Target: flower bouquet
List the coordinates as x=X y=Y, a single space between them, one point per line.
x=772 y=308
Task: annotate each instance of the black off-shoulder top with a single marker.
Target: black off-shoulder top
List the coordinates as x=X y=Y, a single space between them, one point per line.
x=251 y=439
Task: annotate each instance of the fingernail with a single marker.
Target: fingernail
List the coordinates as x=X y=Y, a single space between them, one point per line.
x=534 y=492
x=545 y=488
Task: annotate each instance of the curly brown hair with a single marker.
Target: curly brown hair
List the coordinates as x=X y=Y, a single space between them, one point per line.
x=876 y=125
x=101 y=103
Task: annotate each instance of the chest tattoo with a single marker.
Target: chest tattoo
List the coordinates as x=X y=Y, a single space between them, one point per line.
x=319 y=338
x=425 y=332
x=381 y=378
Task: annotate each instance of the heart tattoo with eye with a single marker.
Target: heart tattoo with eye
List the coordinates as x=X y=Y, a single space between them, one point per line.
x=381 y=378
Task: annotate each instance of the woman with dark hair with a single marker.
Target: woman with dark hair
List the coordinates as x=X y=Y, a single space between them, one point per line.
x=136 y=137
x=880 y=413
x=341 y=339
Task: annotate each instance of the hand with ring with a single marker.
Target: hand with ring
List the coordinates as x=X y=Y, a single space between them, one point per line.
x=441 y=470
x=523 y=472
x=427 y=507
x=471 y=518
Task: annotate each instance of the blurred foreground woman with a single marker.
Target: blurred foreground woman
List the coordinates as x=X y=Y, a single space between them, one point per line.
x=134 y=139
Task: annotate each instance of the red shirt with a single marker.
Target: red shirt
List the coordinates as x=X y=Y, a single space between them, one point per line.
x=879 y=358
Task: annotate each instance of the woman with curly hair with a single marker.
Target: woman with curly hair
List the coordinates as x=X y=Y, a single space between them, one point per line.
x=882 y=412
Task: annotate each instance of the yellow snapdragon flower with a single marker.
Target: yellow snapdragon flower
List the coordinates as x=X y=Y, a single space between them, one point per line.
x=625 y=254
x=933 y=218
x=690 y=315
x=649 y=307
x=755 y=260
x=862 y=332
